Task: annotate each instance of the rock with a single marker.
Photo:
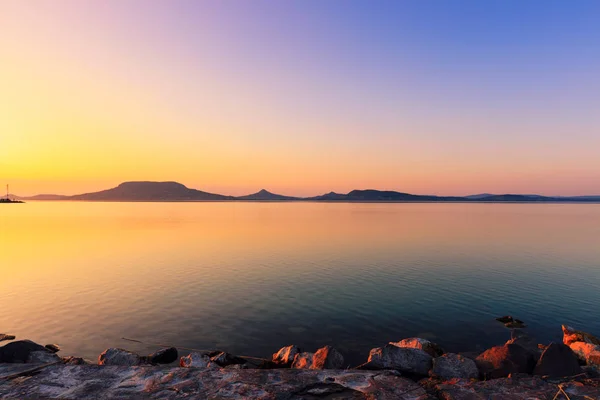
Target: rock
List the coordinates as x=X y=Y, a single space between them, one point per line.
x=115 y=356
x=195 y=360
x=571 y=335
x=21 y=350
x=4 y=337
x=511 y=322
x=164 y=356
x=53 y=347
x=587 y=352
x=427 y=346
x=403 y=359
x=224 y=359
x=527 y=342
x=91 y=382
x=285 y=355
x=557 y=360
x=76 y=361
x=522 y=387
x=303 y=360
x=500 y=361
x=452 y=365
x=42 y=357
x=327 y=358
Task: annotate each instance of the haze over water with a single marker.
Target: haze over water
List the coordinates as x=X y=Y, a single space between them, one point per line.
x=249 y=278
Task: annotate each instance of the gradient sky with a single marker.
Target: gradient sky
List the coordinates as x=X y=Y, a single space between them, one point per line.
x=301 y=97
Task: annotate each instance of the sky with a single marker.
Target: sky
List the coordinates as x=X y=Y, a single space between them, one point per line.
x=301 y=97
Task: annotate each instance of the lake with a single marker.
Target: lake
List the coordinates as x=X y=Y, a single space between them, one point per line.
x=250 y=278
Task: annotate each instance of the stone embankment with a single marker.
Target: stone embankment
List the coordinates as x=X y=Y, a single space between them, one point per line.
x=412 y=368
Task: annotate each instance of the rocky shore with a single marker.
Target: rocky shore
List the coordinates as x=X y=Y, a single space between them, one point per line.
x=412 y=368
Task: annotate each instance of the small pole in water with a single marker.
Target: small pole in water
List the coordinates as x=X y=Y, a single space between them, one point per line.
x=7 y=192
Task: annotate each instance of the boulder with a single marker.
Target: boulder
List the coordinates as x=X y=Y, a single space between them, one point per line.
x=501 y=361
x=285 y=355
x=164 y=356
x=428 y=347
x=571 y=335
x=587 y=352
x=21 y=352
x=303 y=360
x=53 y=347
x=327 y=358
x=115 y=356
x=4 y=337
x=403 y=359
x=557 y=360
x=224 y=359
x=527 y=342
x=452 y=365
x=42 y=357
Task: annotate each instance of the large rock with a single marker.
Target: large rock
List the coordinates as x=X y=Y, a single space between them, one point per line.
x=224 y=359
x=403 y=359
x=571 y=335
x=91 y=382
x=500 y=361
x=452 y=365
x=587 y=352
x=26 y=351
x=115 y=356
x=527 y=342
x=303 y=360
x=327 y=358
x=557 y=360
x=53 y=347
x=164 y=356
x=285 y=355
x=197 y=360
x=433 y=349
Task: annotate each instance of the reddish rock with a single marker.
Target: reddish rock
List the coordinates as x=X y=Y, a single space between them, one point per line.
x=327 y=358
x=500 y=361
x=587 y=352
x=303 y=360
x=557 y=360
x=285 y=355
x=433 y=349
x=403 y=359
x=571 y=335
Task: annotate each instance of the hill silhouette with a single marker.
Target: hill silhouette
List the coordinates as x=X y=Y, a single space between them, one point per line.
x=150 y=191
x=265 y=195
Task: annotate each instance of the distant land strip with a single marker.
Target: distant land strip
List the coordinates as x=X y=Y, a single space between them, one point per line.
x=173 y=191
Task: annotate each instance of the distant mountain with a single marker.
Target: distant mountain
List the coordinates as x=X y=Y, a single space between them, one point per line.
x=150 y=191
x=173 y=191
x=265 y=195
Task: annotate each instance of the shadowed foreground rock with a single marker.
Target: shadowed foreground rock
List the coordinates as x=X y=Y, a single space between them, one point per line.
x=155 y=382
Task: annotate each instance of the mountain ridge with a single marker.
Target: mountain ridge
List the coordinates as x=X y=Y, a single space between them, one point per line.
x=175 y=191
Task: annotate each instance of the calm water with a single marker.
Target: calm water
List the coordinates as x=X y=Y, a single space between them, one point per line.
x=252 y=277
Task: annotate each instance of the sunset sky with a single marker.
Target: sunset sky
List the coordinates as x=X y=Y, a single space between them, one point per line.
x=301 y=97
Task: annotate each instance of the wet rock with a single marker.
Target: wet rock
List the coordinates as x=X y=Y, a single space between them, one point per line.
x=115 y=356
x=303 y=360
x=224 y=359
x=571 y=335
x=197 y=360
x=433 y=349
x=403 y=359
x=505 y=319
x=4 y=337
x=86 y=382
x=285 y=355
x=511 y=322
x=53 y=347
x=558 y=360
x=500 y=361
x=21 y=350
x=587 y=352
x=164 y=356
x=327 y=358
x=452 y=365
